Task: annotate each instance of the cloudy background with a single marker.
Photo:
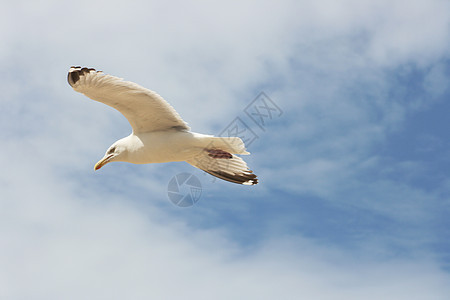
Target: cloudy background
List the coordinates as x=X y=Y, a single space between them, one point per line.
x=354 y=193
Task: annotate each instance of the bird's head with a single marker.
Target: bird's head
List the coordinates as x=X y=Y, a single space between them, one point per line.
x=116 y=152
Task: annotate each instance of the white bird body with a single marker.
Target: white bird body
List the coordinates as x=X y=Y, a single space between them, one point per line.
x=164 y=146
x=159 y=133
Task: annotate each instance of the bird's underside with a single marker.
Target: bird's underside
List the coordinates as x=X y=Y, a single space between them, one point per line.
x=151 y=116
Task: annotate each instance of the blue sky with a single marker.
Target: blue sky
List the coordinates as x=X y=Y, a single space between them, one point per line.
x=354 y=192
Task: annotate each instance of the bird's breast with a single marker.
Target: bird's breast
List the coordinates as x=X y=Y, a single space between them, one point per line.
x=163 y=146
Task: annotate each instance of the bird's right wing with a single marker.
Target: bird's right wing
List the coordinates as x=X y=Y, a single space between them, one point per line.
x=145 y=110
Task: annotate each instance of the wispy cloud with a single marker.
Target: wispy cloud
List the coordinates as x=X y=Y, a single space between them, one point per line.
x=339 y=213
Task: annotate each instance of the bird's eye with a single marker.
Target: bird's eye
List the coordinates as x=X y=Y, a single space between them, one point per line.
x=111 y=150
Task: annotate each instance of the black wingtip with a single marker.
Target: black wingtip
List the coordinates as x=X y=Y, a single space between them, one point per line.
x=76 y=72
x=247 y=178
x=72 y=78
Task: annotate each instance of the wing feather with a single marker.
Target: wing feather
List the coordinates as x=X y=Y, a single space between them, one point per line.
x=232 y=169
x=144 y=109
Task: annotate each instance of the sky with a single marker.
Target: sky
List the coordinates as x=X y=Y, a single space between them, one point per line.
x=353 y=199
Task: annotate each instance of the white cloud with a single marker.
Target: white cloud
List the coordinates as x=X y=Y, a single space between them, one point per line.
x=65 y=234
x=56 y=245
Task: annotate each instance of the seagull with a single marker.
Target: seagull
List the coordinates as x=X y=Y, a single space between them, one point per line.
x=159 y=134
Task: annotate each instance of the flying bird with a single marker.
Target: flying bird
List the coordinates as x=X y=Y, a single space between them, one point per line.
x=159 y=134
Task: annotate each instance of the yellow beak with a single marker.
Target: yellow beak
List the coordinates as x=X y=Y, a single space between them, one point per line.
x=103 y=162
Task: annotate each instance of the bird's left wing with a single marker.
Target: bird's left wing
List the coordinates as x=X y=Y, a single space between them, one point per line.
x=224 y=165
x=145 y=110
